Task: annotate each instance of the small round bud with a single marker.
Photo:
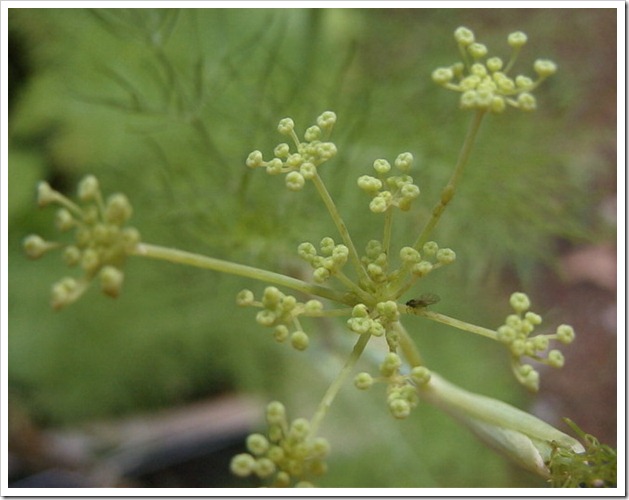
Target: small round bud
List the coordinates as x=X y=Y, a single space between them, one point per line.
x=299 y=340
x=381 y=166
x=313 y=307
x=255 y=159
x=369 y=184
x=286 y=126
x=282 y=150
x=544 y=67
x=118 y=209
x=520 y=302
x=257 y=444
x=45 y=194
x=88 y=188
x=477 y=50
x=527 y=102
x=540 y=343
x=565 y=334
x=464 y=36
x=35 y=246
x=555 y=359
x=379 y=204
x=264 y=467
x=245 y=298
x=275 y=413
x=442 y=76
x=391 y=364
x=299 y=429
x=430 y=248
x=321 y=274
x=312 y=133
x=404 y=161
x=308 y=170
x=400 y=408
x=506 y=334
x=533 y=318
x=445 y=256
x=422 y=268
x=420 y=374
x=281 y=333
x=266 y=318
x=111 y=280
x=498 y=104
x=90 y=260
x=363 y=381
x=274 y=167
x=64 y=220
x=295 y=181
x=409 y=255
x=242 y=465
x=517 y=39
x=494 y=64
x=326 y=120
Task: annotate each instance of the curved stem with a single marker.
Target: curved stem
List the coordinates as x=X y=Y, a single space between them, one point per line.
x=223 y=266
x=448 y=191
x=334 y=388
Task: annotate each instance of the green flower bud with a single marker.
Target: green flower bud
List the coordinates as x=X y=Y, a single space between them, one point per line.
x=312 y=133
x=275 y=413
x=517 y=39
x=527 y=102
x=494 y=64
x=118 y=209
x=245 y=298
x=280 y=333
x=299 y=340
x=45 y=194
x=400 y=408
x=409 y=255
x=544 y=67
x=89 y=189
x=242 y=465
x=299 y=429
x=363 y=381
x=326 y=120
x=308 y=170
x=255 y=159
x=555 y=359
x=286 y=126
x=263 y=467
x=369 y=184
x=477 y=50
x=257 y=444
x=379 y=204
x=442 y=76
x=422 y=268
x=420 y=374
x=445 y=256
x=565 y=334
x=464 y=36
x=404 y=161
x=381 y=166
x=35 y=246
x=520 y=302
x=64 y=220
x=295 y=181
x=111 y=280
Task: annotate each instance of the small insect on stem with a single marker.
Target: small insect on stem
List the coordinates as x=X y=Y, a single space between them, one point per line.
x=424 y=300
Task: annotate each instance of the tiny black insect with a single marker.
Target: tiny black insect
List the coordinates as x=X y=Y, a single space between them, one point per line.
x=424 y=300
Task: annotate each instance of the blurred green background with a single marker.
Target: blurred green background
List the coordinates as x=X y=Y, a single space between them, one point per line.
x=165 y=105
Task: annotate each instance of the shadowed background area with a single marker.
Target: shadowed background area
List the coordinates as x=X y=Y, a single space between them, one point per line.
x=165 y=105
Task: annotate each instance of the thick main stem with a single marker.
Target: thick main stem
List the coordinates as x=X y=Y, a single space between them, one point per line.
x=223 y=266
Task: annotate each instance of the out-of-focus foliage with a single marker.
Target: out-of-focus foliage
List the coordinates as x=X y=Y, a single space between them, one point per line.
x=165 y=105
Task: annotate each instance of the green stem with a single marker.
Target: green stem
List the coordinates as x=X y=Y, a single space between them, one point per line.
x=340 y=225
x=448 y=191
x=409 y=348
x=461 y=325
x=388 y=225
x=334 y=388
x=223 y=266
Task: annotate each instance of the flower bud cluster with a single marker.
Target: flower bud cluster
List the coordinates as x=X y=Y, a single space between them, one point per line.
x=401 y=389
x=281 y=312
x=102 y=241
x=287 y=456
x=484 y=82
x=376 y=322
x=431 y=257
x=376 y=262
x=301 y=165
x=332 y=258
x=390 y=190
x=516 y=335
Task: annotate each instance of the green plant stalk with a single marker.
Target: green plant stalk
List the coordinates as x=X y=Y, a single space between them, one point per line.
x=388 y=226
x=204 y=262
x=340 y=224
x=409 y=348
x=461 y=325
x=336 y=385
x=448 y=191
